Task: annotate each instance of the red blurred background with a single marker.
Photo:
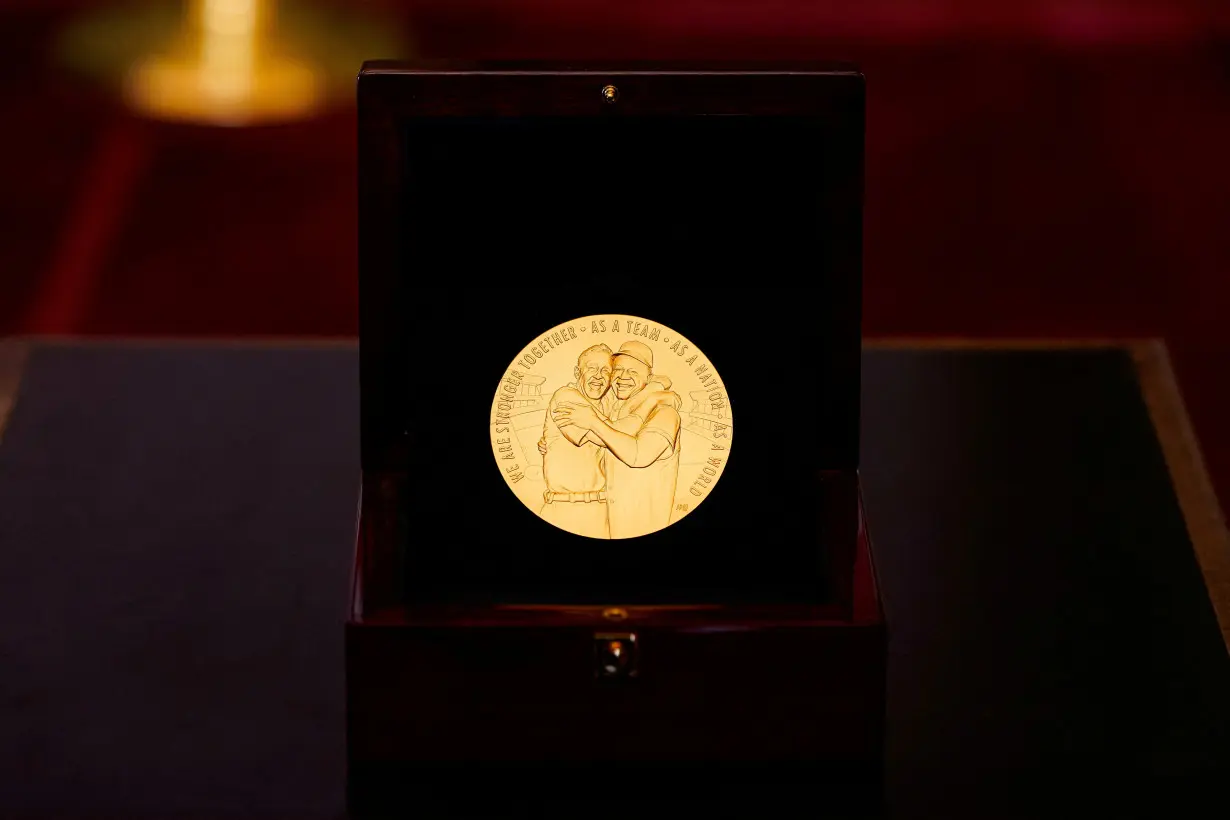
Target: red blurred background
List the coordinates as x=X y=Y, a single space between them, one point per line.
x=1034 y=168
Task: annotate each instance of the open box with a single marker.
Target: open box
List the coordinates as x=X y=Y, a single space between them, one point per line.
x=514 y=218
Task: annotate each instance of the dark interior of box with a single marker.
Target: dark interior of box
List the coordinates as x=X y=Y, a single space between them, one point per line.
x=726 y=229
x=645 y=200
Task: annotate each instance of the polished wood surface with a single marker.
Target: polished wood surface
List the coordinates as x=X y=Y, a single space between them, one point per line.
x=512 y=695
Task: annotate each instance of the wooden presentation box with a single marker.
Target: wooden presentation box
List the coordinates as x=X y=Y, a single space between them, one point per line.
x=702 y=224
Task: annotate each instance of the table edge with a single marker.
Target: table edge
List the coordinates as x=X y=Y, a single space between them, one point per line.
x=13 y=354
x=1202 y=512
x=1159 y=387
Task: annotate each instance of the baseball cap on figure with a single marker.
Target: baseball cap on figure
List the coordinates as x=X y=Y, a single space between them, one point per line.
x=637 y=350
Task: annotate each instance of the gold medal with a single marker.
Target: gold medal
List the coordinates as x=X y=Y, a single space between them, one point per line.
x=611 y=426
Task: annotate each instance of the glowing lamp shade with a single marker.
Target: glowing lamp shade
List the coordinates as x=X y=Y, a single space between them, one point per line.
x=228 y=62
x=226 y=70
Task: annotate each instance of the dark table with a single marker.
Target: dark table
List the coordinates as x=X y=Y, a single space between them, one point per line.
x=176 y=531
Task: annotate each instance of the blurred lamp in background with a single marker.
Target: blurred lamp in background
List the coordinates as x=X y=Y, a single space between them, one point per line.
x=228 y=68
x=229 y=62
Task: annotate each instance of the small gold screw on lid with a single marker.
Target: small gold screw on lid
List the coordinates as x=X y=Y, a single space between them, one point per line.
x=610 y=93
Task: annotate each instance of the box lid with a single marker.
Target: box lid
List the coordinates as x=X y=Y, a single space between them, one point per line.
x=515 y=215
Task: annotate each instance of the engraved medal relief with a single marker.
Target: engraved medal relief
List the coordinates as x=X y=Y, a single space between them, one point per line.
x=611 y=426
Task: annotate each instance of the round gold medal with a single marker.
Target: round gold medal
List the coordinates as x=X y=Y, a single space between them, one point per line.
x=611 y=426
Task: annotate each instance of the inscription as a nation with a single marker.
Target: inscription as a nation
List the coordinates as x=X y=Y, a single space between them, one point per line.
x=611 y=426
